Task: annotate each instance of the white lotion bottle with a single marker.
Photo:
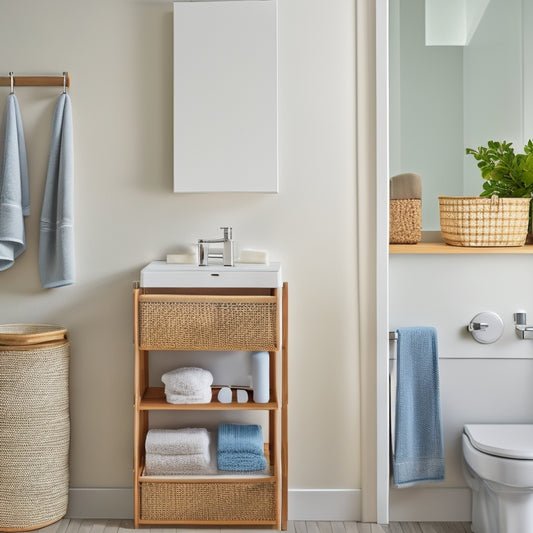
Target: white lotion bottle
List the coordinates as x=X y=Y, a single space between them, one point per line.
x=261 y=377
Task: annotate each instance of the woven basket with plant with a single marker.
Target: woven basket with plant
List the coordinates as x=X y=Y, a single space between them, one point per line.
x=501 y=215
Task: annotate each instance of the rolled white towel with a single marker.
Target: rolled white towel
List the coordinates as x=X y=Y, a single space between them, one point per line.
x=183 y=441
x=204 y=396
x=187 y=380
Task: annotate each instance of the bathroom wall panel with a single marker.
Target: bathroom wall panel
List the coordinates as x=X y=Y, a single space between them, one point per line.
x=480 y=383
x=448 y=291
x=481 y=391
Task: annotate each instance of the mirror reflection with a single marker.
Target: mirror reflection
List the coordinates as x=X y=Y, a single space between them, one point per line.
x=461 y=73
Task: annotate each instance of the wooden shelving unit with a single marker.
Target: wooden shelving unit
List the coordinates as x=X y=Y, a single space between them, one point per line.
x=250 y=499
x=442 y=248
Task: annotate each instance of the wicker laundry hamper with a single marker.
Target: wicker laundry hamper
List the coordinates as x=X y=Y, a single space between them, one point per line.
x=34 y=425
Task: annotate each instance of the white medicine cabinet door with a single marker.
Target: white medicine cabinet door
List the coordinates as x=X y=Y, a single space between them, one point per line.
x=225 y=96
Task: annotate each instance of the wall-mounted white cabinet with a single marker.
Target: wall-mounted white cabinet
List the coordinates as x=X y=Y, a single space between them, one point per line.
x=225 y=96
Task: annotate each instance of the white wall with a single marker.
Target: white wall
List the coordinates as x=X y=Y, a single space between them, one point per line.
x=119 y=55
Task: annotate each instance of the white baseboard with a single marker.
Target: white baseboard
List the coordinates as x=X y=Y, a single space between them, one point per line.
x=304 y=504
x=426 y=504
x=430 y=504
x=327 y=504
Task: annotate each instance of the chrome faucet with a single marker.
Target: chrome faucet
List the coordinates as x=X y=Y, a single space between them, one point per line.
x=226 y=254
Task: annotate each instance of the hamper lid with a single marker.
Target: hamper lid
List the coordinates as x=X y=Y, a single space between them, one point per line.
x=27 y=334
x=514 y=441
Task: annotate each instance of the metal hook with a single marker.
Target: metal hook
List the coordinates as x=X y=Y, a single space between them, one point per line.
x=64 y=82
x=12 y=79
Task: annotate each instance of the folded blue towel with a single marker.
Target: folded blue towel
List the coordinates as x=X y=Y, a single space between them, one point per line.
x=419 y=447
x=240 y=461
x=246 y=438
x=240 y=447
x=14 y=187
x=56 y=243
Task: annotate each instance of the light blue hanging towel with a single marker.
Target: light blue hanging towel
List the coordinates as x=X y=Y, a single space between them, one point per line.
x=56 y=242
x=14 y=187
x=419 y=447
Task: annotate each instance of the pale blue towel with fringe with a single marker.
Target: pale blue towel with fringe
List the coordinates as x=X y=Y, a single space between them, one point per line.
x=14 y=187
x=56 y=242
x=419 y=446
x=240 y=447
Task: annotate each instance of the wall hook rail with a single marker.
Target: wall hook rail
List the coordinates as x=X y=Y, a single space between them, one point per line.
x=12 y=81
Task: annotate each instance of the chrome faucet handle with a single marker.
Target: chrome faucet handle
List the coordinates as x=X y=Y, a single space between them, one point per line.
x=228 y=232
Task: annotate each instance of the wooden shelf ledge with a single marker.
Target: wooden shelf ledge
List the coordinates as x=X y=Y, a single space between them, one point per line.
x=442 y=248
x=154 y=399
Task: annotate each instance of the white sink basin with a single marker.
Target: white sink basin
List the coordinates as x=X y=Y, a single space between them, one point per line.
x=162 y=274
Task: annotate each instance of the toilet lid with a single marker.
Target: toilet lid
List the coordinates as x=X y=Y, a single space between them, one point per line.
x=503 y=440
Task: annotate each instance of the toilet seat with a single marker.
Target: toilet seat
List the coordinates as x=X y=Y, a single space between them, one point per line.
x=502 y=453
x=514 y=441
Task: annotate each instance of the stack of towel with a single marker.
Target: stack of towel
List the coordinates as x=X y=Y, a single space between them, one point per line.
x=240 y=448
x=178 y=451
x=188 y=385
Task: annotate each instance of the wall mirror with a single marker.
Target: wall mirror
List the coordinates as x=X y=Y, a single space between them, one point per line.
x=225 y=96
x=460 y=75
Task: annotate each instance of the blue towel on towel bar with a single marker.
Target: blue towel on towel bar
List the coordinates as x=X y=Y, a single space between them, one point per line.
x=56 y=242
x=419 y=447
x=14 y=187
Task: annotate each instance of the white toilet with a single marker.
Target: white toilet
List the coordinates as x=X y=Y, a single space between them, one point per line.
x=499 y=469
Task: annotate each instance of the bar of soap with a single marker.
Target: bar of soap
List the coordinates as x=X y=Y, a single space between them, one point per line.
x=225 y=395
x=242 y=396
x=183 y=255
x=181 y=259
x=259 y=257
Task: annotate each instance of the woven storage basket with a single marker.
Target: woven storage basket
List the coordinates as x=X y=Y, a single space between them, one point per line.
x=477 y=221
x=405 y=221
x=210 y=501
x=207 y=322
x=34 y=425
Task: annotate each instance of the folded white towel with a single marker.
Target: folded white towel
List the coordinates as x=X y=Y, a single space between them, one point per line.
x=187 y=380
x=204 y=396
x=183 y=441
x=161 y=465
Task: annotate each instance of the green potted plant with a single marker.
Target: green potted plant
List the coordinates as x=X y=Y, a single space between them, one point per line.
x=500 y=216
x=506 y=174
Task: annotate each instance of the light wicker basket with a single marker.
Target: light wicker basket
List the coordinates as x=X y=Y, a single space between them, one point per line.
x=208 y=322
x=34 y=425
x=250 y=501
x=405 y=221
x=478 y=221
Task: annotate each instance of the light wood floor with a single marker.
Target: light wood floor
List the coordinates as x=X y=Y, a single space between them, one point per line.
x=126 y=526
